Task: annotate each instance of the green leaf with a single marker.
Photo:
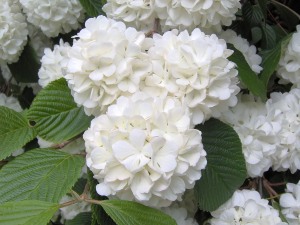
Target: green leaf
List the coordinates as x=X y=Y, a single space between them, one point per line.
x=30 y=212
x=40 y=174
x=80 y=219
x=271 y=59
x=99 y=216
x=226 y=169
x=263 y=7
x=27 y=68
x=93 y=7
x=252 y=14
x=246 y=74
x=15 y=131
x=55 y=113
x=268 y=36
x=133 y=213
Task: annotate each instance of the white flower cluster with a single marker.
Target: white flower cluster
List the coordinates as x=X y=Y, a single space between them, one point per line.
x=195 y=69
x=54 y=17
x=13 y=32
x=289 y=64
x=180 y=215
x=269 y=132
x=53 y=63
x=249 y=51
x=285 y=109
x=244 y=208
x=108 y=61
x=258 y=134
x=178 y=14
x=290 y=203
x=143 y=149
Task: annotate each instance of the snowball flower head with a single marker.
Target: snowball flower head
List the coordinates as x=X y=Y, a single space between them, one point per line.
x=241 y=44
x=289 y=64
x=195 y=69
x=107 y=61
x=257 y=132
x=178 y=14
x=244 y=208
x=290 y=203
x=139 y=14
x=10 y=102
x=54 y=17
x=143 y=149
x=285 y=109
x=54 y=62
x=180 y=215
x=13 y=32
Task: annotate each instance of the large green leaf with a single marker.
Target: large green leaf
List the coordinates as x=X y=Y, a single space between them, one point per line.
x=29 y=212
x=246 y=75
x=132 y=213
x=15 y=131
x=93 y=7
x=226 y=168
x=268 y=36
x=271 y=59
x=40 y=174
x=252 y=14
x=55 y=113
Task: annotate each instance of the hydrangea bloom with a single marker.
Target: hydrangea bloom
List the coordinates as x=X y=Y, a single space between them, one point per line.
x=13 y=32
x=54 y=17
x=241 y=44
x=195 y=69
x=10 y=102
x=289 y=64
x=290 y=203
x=246 y=207
x=180 y=215
x=143 y=149
x=138 y=13
x=258 y=133
x=285 y=109
x=106 y=61
x=185 y=14
x=53 y=63
x=179 y=14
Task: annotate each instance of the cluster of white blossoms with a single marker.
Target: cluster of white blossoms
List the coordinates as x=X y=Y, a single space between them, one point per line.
x=289 y=64
x=180 y=215
x=13 y=32
x=246 y=207
x=284 y=108
x=178 y=14
x=258 y=134
x=249 y=51
x=290 y=203
x=143 y=149
x=269 y=132
x=54 y=17
x=109 y=60
x=53 y=63
x=195 y=69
